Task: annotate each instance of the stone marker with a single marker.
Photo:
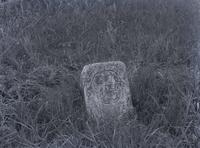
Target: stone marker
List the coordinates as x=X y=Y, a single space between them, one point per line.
x=106 y=89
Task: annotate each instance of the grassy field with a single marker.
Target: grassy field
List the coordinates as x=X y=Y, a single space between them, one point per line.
x=44 y=45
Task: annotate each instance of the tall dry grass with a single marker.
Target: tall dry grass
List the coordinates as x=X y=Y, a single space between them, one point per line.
x=45 y=44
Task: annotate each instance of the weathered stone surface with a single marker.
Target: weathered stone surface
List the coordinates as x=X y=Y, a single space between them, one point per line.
x=106 y=89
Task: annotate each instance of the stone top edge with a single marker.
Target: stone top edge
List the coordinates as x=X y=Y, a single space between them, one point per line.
x=95 y=67
x=104 y=63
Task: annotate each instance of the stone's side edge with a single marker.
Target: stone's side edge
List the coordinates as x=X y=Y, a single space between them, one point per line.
x=83 y=75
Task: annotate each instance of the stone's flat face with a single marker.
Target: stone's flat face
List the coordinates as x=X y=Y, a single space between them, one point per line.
x=106 y=85
x=106 y=89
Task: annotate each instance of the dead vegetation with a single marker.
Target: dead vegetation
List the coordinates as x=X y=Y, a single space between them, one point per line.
x=44 y=45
